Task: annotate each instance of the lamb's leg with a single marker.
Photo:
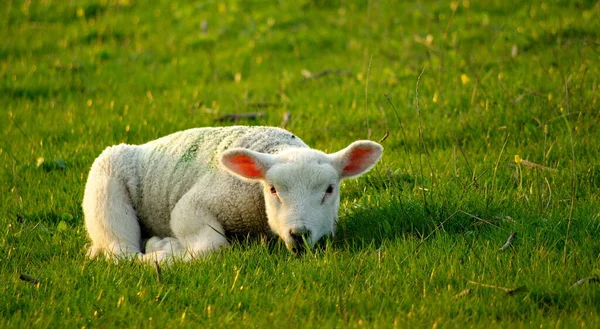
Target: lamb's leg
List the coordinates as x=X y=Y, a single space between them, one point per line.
x=110 y=219
x=198 y=230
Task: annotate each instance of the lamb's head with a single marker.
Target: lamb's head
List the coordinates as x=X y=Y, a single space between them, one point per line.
x=302 y=186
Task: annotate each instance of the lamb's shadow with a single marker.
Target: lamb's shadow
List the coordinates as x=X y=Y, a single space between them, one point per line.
x=371 y=226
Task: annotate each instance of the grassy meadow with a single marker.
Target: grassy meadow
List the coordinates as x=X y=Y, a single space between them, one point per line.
x=484 y=211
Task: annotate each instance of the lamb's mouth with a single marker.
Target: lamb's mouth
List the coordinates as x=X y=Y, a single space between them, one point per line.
x=299 y=241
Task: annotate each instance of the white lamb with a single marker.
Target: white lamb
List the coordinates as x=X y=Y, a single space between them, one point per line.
x=189 y=191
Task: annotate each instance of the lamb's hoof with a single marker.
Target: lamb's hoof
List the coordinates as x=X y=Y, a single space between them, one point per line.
x=167 y=244
x=161 y=257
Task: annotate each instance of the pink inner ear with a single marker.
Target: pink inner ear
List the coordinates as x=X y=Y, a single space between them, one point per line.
x=245 y=166
x=357 y=161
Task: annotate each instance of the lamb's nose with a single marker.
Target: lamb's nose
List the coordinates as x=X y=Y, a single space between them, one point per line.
x=300 y=237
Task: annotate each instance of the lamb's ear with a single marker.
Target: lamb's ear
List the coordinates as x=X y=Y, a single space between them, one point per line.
x=245 y=163
x=357 y=158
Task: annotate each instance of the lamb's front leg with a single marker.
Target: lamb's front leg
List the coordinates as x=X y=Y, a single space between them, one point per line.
x=195 y=238
x=196 y=232
x=196 y=228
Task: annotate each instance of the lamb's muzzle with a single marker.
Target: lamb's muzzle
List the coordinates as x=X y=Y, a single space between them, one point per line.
x=300 y=238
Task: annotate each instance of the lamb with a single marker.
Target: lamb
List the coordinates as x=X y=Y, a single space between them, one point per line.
x=183 y=195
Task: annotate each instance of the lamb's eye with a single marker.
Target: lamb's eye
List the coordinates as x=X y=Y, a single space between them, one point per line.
x=273 y=190
x=329 y=189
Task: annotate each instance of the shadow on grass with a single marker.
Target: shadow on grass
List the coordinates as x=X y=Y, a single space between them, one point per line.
x=370 y=226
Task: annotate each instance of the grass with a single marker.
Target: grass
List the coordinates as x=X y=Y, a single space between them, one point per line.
x=419 y=237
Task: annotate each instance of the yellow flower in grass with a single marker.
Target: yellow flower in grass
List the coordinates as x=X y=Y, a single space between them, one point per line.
x=518 y=159
x=465 y=79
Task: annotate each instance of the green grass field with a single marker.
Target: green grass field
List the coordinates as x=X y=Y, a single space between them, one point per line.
x=499 y=135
